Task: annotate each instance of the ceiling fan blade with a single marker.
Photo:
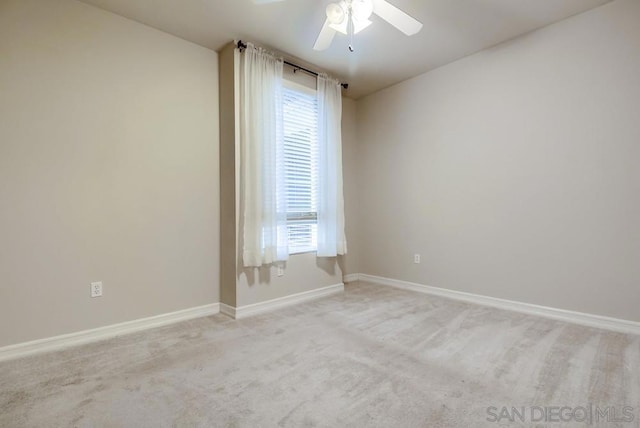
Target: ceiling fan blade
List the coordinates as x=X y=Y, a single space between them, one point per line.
x=325 y=37
x=394 y=16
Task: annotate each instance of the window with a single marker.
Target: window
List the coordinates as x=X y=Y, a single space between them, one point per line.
x=305 y=166
x=300 y=120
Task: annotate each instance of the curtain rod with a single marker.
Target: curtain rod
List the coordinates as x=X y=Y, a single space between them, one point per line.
x=242 y=45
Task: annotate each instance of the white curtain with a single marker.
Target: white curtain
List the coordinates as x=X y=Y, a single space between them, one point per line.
x=331 y=236
x=263 y=196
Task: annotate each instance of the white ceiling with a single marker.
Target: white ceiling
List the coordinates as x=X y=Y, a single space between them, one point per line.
x=384 y=56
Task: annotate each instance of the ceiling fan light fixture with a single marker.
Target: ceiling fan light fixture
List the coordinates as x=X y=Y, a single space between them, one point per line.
x=336 y=13
x=339 y=15
x=349 y=17
x=361 y=9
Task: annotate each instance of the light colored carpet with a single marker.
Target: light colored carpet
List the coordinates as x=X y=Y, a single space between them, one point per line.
x=373 y=356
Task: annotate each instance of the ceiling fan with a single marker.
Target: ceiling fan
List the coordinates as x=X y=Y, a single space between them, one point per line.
x=352 y=16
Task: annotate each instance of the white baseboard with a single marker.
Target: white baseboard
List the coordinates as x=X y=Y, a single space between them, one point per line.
x=352 y=277
x=227 y=310
x=270 y=305
x=86 y=336
x=589 y=320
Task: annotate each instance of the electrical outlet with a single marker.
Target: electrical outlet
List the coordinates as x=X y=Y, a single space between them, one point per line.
x=96 y=289
x=280 y=270
x=416 y=258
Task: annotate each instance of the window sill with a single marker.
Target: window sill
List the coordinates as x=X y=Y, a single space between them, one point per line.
x=303 y=251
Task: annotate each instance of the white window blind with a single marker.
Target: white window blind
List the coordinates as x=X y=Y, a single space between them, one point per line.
x=300 y=117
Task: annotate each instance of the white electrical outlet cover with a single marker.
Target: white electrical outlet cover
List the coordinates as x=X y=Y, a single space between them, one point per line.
x=96 y=289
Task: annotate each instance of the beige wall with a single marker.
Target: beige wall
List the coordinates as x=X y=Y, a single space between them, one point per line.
x=228 y=182
x=108 y=170
x=303 y=272
x=514 y=172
